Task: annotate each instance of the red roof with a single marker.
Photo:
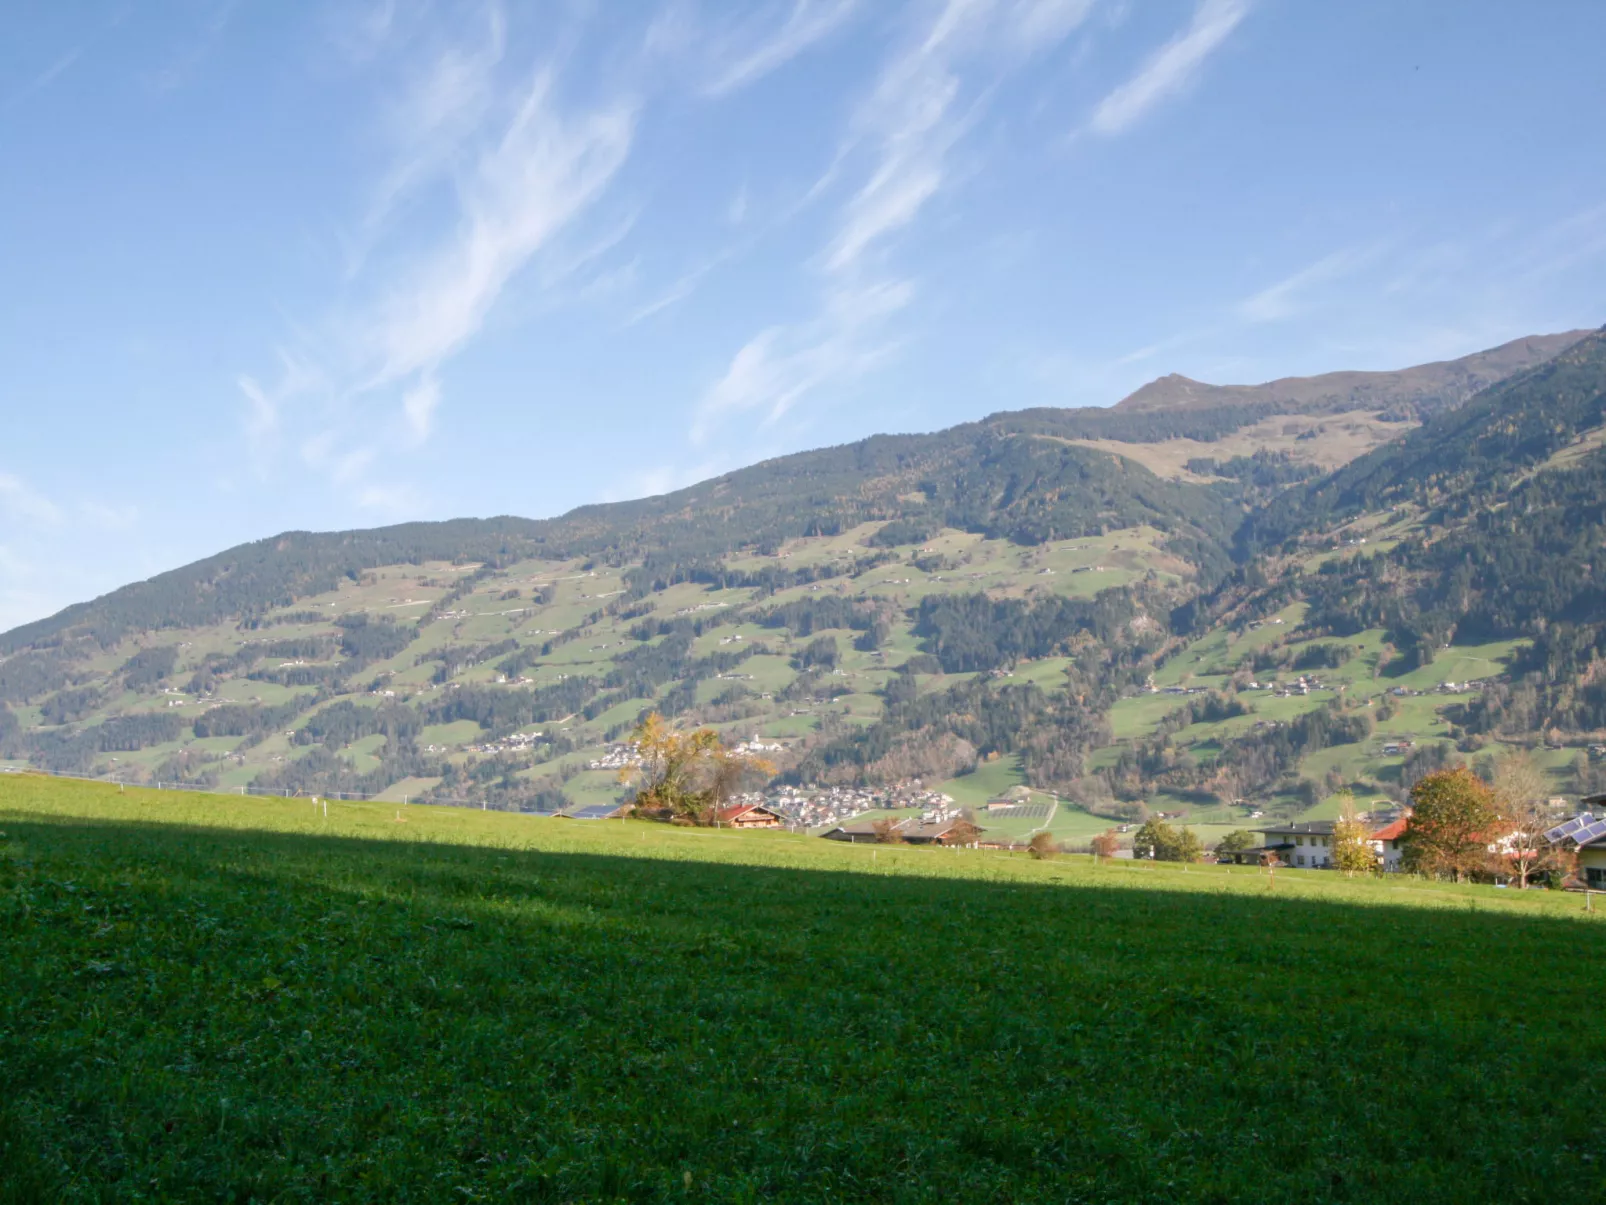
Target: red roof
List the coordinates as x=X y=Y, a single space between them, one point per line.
x=1391 y=832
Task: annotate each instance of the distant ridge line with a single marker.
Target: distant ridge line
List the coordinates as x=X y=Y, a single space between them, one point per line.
x=1434 y=386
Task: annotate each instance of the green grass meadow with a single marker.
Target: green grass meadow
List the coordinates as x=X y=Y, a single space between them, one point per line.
x=212 y=998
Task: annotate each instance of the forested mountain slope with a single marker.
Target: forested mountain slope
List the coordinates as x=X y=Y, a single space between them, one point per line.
x=1486 y=524
x=1021 y=601
x=1012 y=476
x=1462 y=459
x=987 y=478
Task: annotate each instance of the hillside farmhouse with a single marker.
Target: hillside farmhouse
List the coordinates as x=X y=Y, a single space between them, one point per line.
x=750 y=815
x=1302 y=843
x=1387 y=842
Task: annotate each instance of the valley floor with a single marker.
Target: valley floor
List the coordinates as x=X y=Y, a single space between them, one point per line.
x=221 y=998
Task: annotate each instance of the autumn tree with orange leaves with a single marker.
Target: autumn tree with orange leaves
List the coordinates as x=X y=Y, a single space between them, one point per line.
x=1453 y=815
x=686 y=777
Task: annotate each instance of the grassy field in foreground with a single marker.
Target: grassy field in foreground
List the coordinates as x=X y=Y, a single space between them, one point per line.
x=214 y=998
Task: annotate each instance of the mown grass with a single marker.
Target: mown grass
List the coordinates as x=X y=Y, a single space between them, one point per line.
x=209 y=998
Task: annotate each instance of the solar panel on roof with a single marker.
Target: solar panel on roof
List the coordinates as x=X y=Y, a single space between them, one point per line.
x=1590 y=833
x=592 y=811
x=1570 y=828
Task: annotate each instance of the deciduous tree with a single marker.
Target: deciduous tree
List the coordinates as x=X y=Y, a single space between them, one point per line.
x=1154 y=836
x=1524 y=812
x=1159 y=840
x=1453 y=812
x=1352 y=852
x=686 y=777
x=964 y=832
x=1238 y=839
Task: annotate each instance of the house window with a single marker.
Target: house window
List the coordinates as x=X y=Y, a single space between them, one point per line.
x=1595 y=877
x=1301 y=859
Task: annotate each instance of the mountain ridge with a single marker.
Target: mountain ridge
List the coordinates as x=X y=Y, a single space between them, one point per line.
x=838 y=484
x=994 y=603
x=1421 y=389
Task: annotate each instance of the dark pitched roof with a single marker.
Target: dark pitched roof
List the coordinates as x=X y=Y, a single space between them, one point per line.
x=928 y=832
x=859 y=828
x=1303 y=828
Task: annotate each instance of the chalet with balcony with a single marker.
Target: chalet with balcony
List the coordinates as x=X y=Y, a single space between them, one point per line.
x=1306 y=843
x=750 y=815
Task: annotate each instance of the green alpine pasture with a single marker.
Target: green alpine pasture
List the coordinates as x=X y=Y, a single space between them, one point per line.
x=213 y=998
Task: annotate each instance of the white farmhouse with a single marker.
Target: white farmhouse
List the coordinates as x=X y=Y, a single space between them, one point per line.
x=1305 y=843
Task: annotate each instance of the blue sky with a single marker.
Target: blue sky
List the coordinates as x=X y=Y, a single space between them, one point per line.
x=272 y=266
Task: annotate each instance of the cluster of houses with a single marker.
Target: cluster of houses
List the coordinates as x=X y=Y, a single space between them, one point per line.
x=1309 y=844
x=1305 y=844
x=814 y=806
x=618 y=757
x=515 y=742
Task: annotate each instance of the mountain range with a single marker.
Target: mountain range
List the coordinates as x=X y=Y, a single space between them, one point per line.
x=1207 y=599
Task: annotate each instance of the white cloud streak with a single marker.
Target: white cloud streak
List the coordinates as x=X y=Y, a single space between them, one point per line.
x=44 y=79
x=535 y=179
x=1171 y=68
x=921 y=105
x=490 y=166
x=761 y=47
x=22 y=502
x=1290 y=295
x=777 y=367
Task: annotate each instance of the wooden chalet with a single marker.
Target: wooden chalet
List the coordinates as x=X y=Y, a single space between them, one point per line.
x=751 y=815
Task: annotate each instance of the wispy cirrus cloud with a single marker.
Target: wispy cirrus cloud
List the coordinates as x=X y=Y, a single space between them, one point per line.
x=45 y=78
x=543 y=170
x=782 y=364
x=490 y=165
x=200 y=45
x=1171 y=68
x=768 y=40
x=898 y=144
x=34 y=528
x=1291 y=294
x=21 y=502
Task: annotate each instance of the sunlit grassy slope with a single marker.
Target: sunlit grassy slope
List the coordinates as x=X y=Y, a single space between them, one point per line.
x=209 y=998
